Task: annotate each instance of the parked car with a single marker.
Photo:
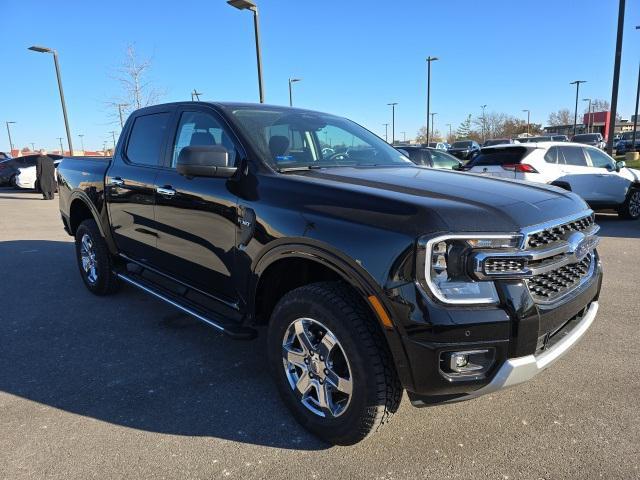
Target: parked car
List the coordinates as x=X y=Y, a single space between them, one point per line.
x=593 y=139
x=499 y=141
x=9 y=169
x=431 y=157
x=438 y=145
x=625 y=141
x=26 y=176
x=5 y=156
x=370 y=274
x=464 y=149
x=559 y=138
x=585 y=170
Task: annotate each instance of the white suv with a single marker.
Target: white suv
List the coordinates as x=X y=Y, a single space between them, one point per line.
x=585 y=170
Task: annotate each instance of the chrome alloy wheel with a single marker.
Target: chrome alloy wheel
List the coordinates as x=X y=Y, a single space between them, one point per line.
x=88 y=257
x=317 y=368
x=634 y=204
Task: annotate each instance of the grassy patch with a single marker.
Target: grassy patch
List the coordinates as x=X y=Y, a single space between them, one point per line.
x=634 y=164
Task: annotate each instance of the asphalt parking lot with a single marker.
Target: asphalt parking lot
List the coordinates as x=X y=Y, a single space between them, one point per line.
x=125 y=387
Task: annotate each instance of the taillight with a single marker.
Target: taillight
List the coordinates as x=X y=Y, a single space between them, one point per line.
x=520 y=167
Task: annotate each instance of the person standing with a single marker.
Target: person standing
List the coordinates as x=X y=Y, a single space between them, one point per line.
x=46 y=176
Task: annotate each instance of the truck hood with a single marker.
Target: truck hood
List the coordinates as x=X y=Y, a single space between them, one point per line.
x=461 y=201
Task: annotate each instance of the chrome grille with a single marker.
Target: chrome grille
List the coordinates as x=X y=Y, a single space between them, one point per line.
x=497 y=265
x=557 y=233
x=548 y=286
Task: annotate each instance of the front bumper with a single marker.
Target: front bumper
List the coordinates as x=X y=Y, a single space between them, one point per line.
x=522 y=333
x=521 y=369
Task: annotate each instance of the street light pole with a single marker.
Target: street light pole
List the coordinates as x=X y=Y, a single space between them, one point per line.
x=113 y=136
x=64 y=107
x=483 y=122
x=9 y=134
x=61 y=147
x=450 y=134
x=433 y=125
x=81 y=135
x=292 y=80
x=429 y=60
x=386 y=132
x=120 y=105
x=528 y=119
x=249 y=5
x=575 y=112
x=616 y=78
x=195 y=94
x=588 y=115
x=635 y=117
x=33 y=146
x=393 y=122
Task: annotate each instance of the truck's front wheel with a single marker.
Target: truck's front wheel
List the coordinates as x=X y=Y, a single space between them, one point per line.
x=331 y=363
x=94 y=260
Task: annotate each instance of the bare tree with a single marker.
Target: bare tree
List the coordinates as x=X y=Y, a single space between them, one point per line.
x=137 y=90
x=598 y=105
x=493 y=124
x=421 y=135
x=561 y=117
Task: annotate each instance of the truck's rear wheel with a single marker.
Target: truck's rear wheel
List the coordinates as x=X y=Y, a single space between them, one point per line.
x=331 y=363
x=94 y=260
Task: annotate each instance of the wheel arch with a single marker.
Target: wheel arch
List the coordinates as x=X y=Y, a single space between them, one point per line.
x=561 y=184
x=310 y=252
x=81 y=209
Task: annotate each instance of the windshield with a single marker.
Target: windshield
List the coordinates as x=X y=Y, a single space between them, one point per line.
x=288 y=138
x=461 y=144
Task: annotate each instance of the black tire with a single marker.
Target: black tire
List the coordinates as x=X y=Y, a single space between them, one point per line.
x=630 y=209
x=12 y=181
x=105 y=281
x=376 y=391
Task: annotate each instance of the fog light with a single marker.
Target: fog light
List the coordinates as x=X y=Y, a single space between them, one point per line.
x=467 y=362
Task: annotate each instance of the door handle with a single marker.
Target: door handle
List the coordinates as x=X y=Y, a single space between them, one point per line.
x=117 y=181
x=169 y=192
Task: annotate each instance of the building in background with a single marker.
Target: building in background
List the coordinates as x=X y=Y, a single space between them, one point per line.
x=598 y=122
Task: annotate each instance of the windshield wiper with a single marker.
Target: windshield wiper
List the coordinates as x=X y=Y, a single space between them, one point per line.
x=301 y=168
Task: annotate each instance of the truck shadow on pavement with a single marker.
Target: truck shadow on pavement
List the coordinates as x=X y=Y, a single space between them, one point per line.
x=129 y=359
x=611 y=225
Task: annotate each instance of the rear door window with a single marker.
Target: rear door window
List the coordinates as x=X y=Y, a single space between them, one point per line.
x=416 y=155
x=147 y=137
x=442 y=160
x=573 y=156
x=499 y=156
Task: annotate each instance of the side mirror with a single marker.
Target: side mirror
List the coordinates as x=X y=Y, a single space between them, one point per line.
x=620 y=165
x=204 y=161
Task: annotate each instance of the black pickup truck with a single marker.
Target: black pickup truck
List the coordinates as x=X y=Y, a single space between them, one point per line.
x=371 y=275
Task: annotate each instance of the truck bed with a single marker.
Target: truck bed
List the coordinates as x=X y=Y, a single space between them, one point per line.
x=81 y=176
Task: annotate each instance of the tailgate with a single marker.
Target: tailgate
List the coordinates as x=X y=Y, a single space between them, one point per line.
x=500 y=161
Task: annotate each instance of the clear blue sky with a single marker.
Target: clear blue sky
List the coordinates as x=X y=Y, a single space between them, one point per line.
x=354 y=56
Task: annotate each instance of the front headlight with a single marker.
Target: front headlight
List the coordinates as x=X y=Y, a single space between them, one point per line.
x=446 y=267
